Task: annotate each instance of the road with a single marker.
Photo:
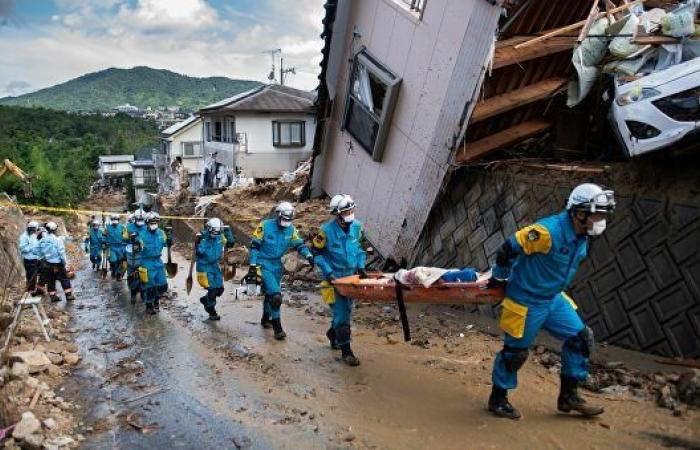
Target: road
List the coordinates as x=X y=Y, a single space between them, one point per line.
x=176 y=380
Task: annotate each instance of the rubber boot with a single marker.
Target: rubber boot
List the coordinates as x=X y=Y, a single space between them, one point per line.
x=133 y=298
x=569 y=399
x=280 y=335
x=212 y=314
x=156 y=304
x=70 y=297
x=150 y=309
x=265 y=320
x=348 y=357
x=500 y=406
x=54 y=298
x=330 y=334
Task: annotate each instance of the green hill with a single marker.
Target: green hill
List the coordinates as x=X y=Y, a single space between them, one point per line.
x=139 y=86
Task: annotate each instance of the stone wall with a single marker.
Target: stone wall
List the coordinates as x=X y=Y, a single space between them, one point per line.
x=639 y=288
x=12 y=224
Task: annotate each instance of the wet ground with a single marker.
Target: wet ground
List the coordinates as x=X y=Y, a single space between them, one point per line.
x=176 y=380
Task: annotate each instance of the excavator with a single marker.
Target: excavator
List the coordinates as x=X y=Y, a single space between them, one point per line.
x=9 y=166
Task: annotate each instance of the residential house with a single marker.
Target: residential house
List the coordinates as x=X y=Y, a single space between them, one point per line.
x=262 y=132
x=398 y=83
x=144 y=176
x=184 y=139
x=113 y=169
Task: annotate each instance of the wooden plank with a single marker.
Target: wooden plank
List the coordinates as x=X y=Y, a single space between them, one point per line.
x=592 y=15
x=477 y=150
x=506 y=54
x=519 y=97
x=574 y=26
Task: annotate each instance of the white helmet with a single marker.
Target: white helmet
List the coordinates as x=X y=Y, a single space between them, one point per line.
x=115 y=217
x=333 y=206
x=346 y=203
x=215 y=225
x=51 y=226
x=153 y=217
x=96 y=222
x=285 y=211
x=591 y=198
x=139 y=215
x=33 y=224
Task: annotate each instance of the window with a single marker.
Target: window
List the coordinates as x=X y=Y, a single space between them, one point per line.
x=190 y=149
x=289 y=133
x=207 y=131
x=217 y=131
x=369 y=103
x=416 y=6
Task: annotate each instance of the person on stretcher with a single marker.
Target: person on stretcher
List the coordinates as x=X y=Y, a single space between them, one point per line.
x=427 y=276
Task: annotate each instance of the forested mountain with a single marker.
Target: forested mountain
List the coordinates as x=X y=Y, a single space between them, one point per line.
x=61 y=149
x=138 y=86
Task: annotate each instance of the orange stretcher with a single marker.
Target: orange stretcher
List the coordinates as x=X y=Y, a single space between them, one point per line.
x=383 y=288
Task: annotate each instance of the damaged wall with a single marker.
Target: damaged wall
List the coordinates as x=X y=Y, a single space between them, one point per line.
x=639 y=288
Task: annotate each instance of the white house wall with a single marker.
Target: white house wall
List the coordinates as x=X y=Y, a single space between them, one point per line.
x=258 y=128
x=440 y=59
x=193 y=133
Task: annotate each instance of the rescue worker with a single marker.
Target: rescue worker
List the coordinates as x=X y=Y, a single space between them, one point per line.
x=339 y=253
x=116 y=238
x=538 y=263
x=53 y=252
x=150 y=244
x=270 y=241
x=93 y=244
x=210 y=251
x=133 y=257
x=29 y=249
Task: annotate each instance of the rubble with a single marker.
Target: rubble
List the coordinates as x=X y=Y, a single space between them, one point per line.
x=689 y=388
x=35 y=361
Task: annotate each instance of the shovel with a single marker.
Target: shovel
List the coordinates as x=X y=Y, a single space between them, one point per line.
x=103 y=269
x=188 y=283
x=170 y=266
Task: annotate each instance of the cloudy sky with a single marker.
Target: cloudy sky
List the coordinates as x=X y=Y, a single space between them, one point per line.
x=45 y=42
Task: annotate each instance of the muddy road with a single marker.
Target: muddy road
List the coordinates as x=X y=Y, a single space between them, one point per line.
x=177 y=380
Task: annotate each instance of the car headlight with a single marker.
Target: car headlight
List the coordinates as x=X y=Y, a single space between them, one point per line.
x=635 y=95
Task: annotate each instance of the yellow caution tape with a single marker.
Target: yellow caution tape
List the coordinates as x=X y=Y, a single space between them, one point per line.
x=57 y=209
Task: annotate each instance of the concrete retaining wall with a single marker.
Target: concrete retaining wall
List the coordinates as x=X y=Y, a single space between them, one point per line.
x=639 y=288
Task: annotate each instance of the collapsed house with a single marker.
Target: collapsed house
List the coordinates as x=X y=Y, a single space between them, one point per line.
x=417 y=100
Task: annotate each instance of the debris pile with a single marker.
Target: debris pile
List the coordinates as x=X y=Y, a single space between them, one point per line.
x=631 y=43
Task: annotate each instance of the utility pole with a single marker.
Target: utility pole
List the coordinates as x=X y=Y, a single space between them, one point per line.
x=272 y=53
x=284 y=71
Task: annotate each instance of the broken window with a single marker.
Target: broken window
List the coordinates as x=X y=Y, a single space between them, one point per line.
x=217 y=131
x=369 y=103
x=207 y=131
x=289 y=134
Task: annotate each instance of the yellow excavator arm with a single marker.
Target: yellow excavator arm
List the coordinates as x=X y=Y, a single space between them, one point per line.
x=9 y=166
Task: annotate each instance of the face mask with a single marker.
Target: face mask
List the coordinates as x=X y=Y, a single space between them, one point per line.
x=349 y=218
x=285 y=223
x=153 y=226
x=140 y=223
x=115 y=222
x=597 y=228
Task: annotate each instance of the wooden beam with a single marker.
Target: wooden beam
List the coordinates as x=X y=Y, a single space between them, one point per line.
x=506 y=54
x=510 y=100
x=655 y=40
x=575 y=26
x=479 y=149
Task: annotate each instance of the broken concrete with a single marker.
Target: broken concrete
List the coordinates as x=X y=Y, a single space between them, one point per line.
x=35 y=360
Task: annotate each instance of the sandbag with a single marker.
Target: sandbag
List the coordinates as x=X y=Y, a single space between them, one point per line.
x=681 y=22
x=585 y=58
x=622 y=47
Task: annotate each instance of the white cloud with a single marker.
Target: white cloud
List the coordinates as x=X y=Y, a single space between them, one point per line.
x=187 y=36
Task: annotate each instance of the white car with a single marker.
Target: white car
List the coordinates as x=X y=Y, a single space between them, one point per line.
x=659 y=109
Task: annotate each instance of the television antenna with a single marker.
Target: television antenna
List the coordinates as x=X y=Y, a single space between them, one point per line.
x=272 y=53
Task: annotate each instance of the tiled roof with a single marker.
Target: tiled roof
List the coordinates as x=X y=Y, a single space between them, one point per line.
x=269 y=98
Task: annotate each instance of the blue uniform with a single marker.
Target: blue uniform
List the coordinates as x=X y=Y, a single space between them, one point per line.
x=133 y=260
x=269 y=243
x=545 y=258
x=210 y=250
x=53 y=251
x=339 y=254
x=152 y=269
x=93 y=244
x=29 y=248
x=116 y=237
